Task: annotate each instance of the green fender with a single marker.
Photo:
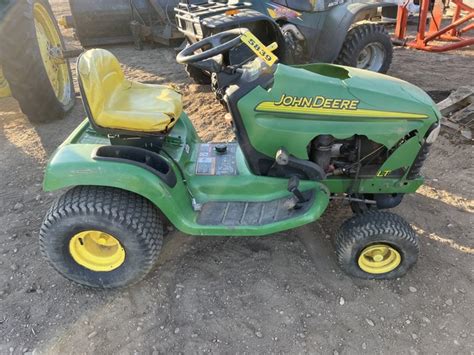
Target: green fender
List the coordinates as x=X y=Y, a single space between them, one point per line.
x=402 y=158
x=73 y=165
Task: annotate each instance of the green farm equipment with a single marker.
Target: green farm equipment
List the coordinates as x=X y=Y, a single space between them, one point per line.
x=306 y=134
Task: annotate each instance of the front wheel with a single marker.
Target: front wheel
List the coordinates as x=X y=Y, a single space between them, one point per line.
x=376 y=245
x=367 y=46
x=101 y=237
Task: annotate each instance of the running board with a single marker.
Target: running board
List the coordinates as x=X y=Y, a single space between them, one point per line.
x=242 y=213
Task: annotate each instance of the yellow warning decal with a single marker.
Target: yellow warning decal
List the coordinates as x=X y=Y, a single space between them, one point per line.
x=383 y=173
x=259 y=48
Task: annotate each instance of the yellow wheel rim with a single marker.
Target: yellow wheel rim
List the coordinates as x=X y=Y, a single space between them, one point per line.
x=49 y=42
x=96 y=251
x=379 y=259
x=4 y=88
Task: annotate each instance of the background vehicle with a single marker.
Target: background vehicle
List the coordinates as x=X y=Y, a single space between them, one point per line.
x=320 y=131
x=32 y=59
x=343 y=32
x=106 y=22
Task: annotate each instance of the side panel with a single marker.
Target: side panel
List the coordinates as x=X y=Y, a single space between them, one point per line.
x=305 y=102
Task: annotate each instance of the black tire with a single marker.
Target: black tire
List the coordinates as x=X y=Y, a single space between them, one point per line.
x=23 y=65
x=197 y=75
x=131 y=219
x=376 y=227
x=361 y=36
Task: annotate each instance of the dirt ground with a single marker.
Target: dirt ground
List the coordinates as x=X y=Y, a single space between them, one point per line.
x=277 y=294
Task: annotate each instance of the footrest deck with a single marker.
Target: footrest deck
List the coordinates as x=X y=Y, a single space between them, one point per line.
x=242 y=213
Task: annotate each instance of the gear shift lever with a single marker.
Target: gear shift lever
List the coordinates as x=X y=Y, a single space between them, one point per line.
x=293 y=184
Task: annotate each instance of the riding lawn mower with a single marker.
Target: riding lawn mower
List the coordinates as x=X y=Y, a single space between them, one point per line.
x=306 y=134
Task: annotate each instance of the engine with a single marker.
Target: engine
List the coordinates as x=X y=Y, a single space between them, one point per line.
x=348 y=156
x=355 y=158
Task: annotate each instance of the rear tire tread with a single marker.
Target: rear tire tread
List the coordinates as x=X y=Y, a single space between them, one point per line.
x=356 y=40
x=368 y=226
x=120 y=207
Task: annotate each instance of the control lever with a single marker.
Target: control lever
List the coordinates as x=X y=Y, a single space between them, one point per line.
x=282 y=157
x=293 y=184
x=310 y=169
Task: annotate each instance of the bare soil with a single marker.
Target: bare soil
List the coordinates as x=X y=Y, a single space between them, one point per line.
x=277 y=294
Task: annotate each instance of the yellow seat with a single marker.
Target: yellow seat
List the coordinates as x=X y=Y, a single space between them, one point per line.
x=116 y=103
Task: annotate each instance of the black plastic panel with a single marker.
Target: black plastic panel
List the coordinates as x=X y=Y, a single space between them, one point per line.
x=236 y=213
x=140 y=157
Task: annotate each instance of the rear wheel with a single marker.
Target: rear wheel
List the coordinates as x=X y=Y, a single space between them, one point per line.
x=376 y=245
x=31 y=56
x=367 y=46
x=101 y=237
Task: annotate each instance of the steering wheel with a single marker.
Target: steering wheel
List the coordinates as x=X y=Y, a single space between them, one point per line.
x=219 y=43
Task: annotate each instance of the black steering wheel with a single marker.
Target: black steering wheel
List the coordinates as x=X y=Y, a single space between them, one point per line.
x=219 y=44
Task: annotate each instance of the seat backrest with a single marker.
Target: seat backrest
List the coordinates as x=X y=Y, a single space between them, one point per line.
x=100 y=75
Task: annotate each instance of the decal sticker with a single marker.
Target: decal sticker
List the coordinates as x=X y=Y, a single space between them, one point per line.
x=259 y=48
x=383 y=173
x=328 y=106
x=211 y=162
x=317 y=101
x=335 y=3
x=278 y=11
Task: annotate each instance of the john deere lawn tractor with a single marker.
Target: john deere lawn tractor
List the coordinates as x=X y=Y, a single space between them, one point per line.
x=346 y=32
x=306 y=134
x=35 y=70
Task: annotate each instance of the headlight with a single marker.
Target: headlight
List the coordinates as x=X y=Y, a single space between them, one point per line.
x=433 y=134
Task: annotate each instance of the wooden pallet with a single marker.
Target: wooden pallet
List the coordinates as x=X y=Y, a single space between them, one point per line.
x=458 y=111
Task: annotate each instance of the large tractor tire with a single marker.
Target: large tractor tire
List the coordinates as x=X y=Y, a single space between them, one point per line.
x=367 y=46
x=31 y=56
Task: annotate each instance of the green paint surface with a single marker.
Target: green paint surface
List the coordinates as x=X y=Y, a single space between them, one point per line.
x=72 y=163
